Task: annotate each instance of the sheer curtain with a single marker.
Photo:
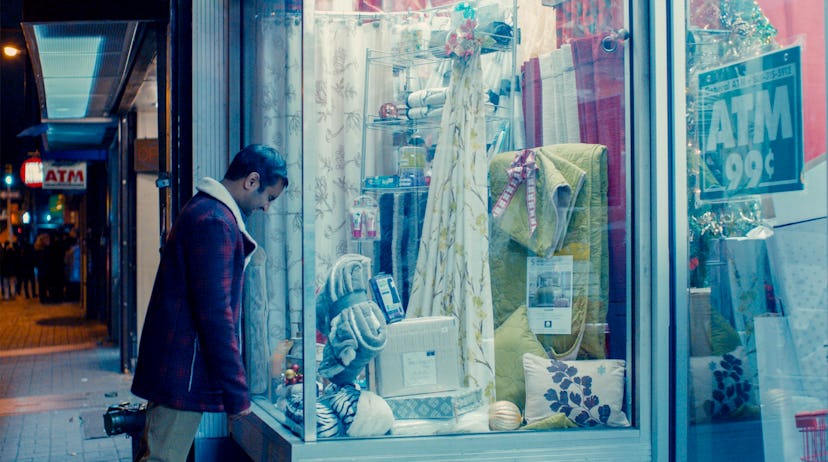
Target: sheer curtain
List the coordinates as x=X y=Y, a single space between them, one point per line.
x=273 y=281
x=337 y=96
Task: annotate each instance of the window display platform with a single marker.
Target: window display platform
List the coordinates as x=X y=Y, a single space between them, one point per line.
x=264 y=438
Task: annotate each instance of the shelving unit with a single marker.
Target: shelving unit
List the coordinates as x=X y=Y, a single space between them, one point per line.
x=390 y=77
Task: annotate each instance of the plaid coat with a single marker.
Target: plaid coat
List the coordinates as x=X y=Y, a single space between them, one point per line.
x=190 y=353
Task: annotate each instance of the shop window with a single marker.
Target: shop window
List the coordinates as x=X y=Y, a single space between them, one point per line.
x=756 y=205
x=470 y=246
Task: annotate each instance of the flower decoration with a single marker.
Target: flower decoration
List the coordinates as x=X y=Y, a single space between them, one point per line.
x=464 y=40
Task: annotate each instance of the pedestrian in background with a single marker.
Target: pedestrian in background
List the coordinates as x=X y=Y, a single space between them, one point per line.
x=25 y=269
x=8 y=269
x=41 y=248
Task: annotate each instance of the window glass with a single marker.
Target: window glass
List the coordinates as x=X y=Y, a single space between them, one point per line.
x=470 y=246
x=756 y=180
x=273 y=297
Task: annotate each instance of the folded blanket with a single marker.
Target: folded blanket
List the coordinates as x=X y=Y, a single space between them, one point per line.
x=585 y=240
x=423 y=112
x=354 y=324
x=557 y=185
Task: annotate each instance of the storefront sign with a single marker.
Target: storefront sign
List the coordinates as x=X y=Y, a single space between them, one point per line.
x=62 y=175
x=750 y=126
x=31 y=172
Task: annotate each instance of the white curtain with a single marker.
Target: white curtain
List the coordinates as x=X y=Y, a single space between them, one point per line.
x=339 y=98
x=452 y=276
x=277 y=121
x=455 y=252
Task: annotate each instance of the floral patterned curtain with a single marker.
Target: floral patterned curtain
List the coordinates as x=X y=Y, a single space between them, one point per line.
x=452 y=275
x=277 y=120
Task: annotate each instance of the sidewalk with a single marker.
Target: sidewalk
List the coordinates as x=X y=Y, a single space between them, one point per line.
x=57 y=378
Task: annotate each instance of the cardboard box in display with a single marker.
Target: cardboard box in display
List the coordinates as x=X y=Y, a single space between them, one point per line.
x=419 y=357
x=443 y=405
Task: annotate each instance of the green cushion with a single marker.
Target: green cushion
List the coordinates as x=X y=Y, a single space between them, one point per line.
x=723 y=337
x=556 y=420
x=512 y=339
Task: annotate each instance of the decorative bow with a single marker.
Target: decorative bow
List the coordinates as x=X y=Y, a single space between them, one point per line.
x=523 y=168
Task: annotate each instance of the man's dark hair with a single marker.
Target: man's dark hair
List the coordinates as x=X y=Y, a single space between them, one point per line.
x=259 y=158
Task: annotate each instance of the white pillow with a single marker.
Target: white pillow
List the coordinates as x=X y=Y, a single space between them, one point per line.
x=720 y=385
x=589 y=392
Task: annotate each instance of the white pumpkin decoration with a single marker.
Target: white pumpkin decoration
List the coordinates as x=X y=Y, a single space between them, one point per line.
x=504 y=416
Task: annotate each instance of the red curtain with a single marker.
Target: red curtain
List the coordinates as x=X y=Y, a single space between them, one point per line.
x=599 y=77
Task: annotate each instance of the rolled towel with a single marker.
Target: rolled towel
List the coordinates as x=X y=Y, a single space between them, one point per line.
x=427 y=97
x=424 y=112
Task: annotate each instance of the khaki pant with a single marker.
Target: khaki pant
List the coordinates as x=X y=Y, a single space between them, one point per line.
x=168 y=434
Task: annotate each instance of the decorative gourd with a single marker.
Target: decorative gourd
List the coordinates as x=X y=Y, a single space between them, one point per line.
x=504 y=416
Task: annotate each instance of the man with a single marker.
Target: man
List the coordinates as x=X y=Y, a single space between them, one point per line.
x=189 y=359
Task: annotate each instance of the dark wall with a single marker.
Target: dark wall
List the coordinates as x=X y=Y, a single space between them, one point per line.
x=93 y=10
x=18 y=95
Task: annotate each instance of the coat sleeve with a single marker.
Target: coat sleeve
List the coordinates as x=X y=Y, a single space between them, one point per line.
x=212 y=267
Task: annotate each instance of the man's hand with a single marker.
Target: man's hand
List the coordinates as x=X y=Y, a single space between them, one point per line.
x=239 y=415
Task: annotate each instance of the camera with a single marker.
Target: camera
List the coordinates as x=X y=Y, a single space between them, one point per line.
x=125 y=418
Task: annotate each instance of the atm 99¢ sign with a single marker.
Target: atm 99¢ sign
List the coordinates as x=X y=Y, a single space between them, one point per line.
x=750 y=126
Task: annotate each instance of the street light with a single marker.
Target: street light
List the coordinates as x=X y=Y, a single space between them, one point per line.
x=11 y=51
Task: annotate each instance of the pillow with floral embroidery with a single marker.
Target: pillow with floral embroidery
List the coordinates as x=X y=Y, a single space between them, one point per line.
x=720 y=385
x=589 y=392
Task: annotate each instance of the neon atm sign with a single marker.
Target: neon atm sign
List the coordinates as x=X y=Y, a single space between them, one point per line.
x=62 y=175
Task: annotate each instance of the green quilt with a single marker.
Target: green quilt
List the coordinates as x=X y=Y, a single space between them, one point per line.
x=585 y=240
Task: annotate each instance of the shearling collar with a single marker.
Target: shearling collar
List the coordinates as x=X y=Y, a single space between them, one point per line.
x=217 y=190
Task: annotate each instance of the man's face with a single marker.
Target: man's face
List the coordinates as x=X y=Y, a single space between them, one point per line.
x=253 y=199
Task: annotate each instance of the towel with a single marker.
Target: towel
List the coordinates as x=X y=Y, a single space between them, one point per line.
x=427 y=97
x=557 y=186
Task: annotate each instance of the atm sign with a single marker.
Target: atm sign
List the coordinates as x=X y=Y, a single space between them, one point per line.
x=62 y=175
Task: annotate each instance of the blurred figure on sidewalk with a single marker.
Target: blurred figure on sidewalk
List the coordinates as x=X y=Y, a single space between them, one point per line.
x=71 y=267
x=41 y=248
x=8 y=269
x=25 y=269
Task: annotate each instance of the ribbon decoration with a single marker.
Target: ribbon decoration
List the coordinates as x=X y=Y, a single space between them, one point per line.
x=523 y=168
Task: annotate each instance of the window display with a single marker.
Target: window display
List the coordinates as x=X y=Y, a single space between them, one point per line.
x=756 y=177
x=469 y=250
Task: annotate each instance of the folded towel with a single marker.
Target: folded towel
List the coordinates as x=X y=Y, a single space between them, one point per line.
x=558 y=183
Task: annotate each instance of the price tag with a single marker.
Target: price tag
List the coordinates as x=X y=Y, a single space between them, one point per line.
x=549 y=294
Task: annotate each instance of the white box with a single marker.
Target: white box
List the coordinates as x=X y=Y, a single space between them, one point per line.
x=420 y=356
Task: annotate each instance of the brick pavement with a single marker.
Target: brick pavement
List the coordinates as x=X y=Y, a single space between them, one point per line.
x=55 y=368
